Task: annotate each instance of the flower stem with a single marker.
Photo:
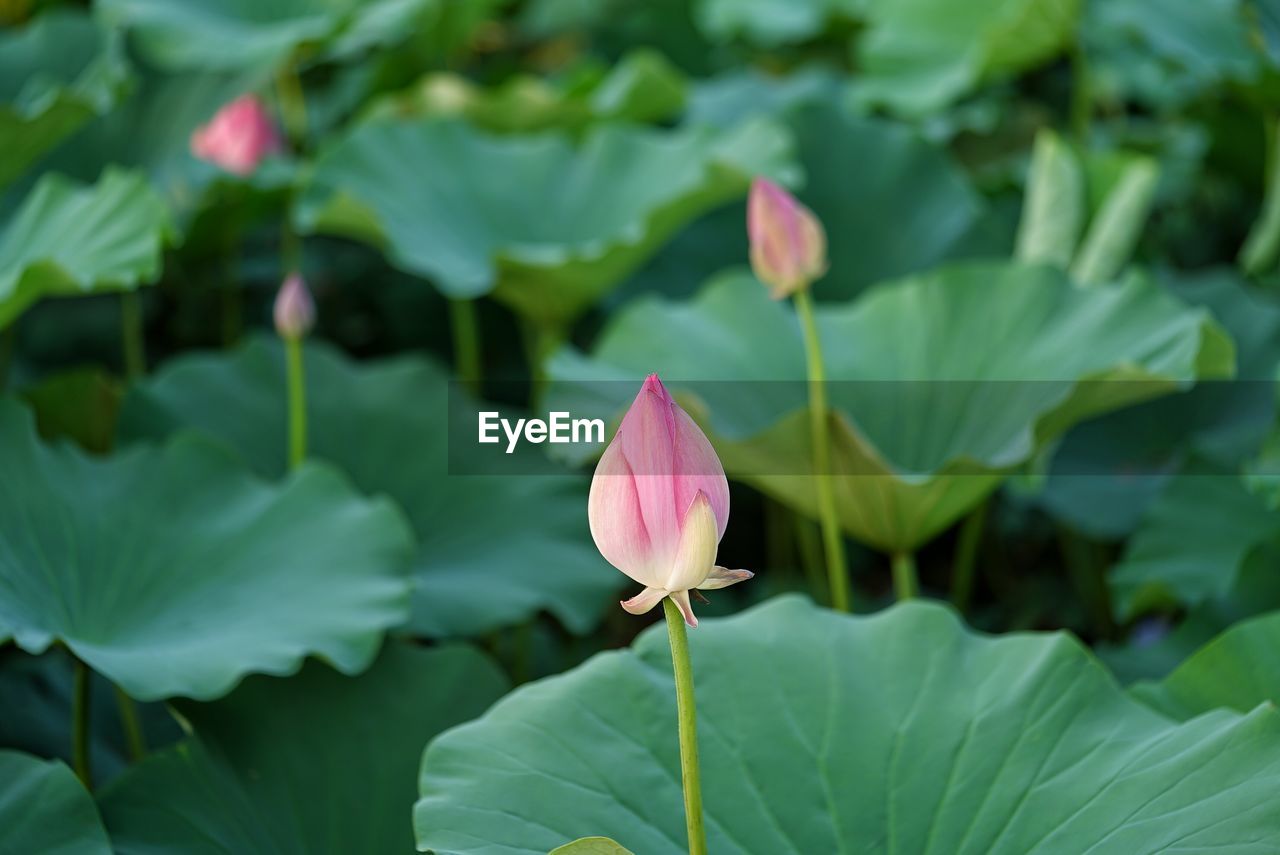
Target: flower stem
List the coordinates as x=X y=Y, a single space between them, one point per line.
x=466 y=342
x=687 y=716
x=133 y=737
x=832 y=539
x=293 y=103
x=80 y=724
x=967 y=557
x=905 y=584
x=135 y=360
x=297 y=401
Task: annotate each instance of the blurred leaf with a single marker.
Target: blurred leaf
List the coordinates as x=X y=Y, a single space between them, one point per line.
x=820 y=731
x=771 y=23
x=1117 y=224
x=733 y=97
x=81 y=405
x=546 y=226
x=1107 y=471
x=150 y=132
x=592 y=846
x=66 y=240
x=927 y=424
x=44 y=809
x=1262 y=247
x=237 y=34
x=494 y=550
x=1192 y=543
x=1053 y=210
x=642 y=87
x=906 y=214
x=168 y=590
x=1239 y=670
x=1166 y=52
x=56 y=73
x=316 y=763
x=919 y=55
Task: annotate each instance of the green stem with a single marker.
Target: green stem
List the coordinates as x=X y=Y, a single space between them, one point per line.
x=541 y=340
x=905 y=584
x=80 y=724
x=687 y=716
x=293 y=103
x=8 y=344
x=297 y=391
x=135 y=360
x=132 y=726
x=967 y=557
x=466 y=342
x=809 y=543
x=832 y=539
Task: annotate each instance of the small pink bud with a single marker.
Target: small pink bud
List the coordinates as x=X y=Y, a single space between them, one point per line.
x=238 y=137
x=788 y=245
x=659 y=504
x=295 y=313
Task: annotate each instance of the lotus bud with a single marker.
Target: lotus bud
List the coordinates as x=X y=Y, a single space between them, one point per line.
x=238 y=137
x=295 y=313
x=788 y=245
x=659 y=504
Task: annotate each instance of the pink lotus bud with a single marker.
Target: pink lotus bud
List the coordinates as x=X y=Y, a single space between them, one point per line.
x=788 y=245
x=238 y=137
x=659 y=504
x=294 y=312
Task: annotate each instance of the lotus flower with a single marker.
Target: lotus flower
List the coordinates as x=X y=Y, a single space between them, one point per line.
x=294 y=311
x=788 y=245
x=238 y=137
x=659 y=504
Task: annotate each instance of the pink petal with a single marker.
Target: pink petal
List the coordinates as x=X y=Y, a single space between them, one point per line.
x=681 y=599
x=644 y=601
x=647 y=436
x=698 y=470
x=617 y=526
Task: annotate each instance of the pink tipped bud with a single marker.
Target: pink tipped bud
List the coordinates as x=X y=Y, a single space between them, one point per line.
x=659 y=503
x=238 y=137
x=788 y=245
x=295 y=313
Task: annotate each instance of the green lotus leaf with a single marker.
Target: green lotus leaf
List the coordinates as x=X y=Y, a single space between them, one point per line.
x=45 y=809
x=318 y=762
x=1192 y=542
x=771 y=23
x=1239 y=670
x=921 y=55
x=67 y=240
x=235 y=34
x=584 y=215
x=1164 y=53
x=642 y=87
x=823 y=732
x=1108 y=471
x=56 y=73
x=493 y=550
x=926 y=424
x=171 y=571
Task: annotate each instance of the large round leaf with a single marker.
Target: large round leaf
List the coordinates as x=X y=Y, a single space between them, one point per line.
x=317 y=763
x=44 y=809
x=56 y=73
x=174 y=572
x=546 y=225
x=231 y=34
x=493 y=550
x=920 y=55
x=66 y=240
x=926 y=423
x=821 y=732
x=1239 y=669
x=770 y=23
